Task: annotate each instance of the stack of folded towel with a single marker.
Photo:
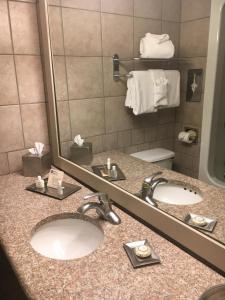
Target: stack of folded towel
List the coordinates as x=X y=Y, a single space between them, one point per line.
x=153 y=89
x=156 y=46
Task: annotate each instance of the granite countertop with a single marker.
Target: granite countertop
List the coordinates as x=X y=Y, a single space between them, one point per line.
x=104 y=274
x=135 y=170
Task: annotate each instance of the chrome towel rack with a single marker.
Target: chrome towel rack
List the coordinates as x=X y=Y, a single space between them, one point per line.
x=116 y=64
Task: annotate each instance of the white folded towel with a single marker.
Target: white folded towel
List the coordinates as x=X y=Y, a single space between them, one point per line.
x=156 y=46
x=140 y=93
x=173 y=87
x=160 y=83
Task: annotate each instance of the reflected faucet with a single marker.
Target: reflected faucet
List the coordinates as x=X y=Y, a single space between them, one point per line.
x=148 y=187
x=104 y=208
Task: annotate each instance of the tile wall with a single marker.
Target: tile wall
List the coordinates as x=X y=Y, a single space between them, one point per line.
x=85 y=35
x=22 y=98
x=194 y=31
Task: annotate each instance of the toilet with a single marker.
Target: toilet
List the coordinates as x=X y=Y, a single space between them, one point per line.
x=160 y=156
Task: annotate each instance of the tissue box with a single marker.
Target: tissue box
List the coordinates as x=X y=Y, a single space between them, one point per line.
x=34 y=165
x=81 y=155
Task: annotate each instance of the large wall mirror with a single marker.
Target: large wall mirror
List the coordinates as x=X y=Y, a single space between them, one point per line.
x=79 y=42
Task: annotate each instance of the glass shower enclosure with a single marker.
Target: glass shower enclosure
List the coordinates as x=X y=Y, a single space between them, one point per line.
x=212 y=156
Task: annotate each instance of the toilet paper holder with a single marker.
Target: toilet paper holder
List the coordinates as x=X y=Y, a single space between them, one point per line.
x=191 y=138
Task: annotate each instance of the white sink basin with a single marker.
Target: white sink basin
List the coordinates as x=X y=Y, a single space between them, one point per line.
x=177 y=193
x=66 y=236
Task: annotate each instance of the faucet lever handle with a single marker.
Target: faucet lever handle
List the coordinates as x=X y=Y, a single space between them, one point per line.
x=153 y=176
x=102 y=197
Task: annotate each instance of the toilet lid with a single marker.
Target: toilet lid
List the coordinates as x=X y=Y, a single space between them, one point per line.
x=154 y=155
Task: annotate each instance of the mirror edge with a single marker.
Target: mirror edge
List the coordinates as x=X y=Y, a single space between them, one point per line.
x=200 y=244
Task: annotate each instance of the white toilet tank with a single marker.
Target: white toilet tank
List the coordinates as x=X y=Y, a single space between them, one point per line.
x=160 y=156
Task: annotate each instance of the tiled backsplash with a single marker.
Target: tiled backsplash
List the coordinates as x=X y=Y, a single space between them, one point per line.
x=22 y=98
x=84 y=38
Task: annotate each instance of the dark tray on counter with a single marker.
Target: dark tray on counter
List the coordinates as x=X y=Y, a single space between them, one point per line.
x=68 y=190
x=102 y=169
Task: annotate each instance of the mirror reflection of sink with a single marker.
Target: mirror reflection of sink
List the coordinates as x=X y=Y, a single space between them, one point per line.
x=177 y=193
x=66 y=236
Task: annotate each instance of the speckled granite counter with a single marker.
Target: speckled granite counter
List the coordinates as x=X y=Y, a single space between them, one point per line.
x=213 y=204
x=106 y=273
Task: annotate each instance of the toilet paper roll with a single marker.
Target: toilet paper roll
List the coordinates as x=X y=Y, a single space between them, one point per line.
x=186 y=137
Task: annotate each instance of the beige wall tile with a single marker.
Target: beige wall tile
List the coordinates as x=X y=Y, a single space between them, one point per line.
x=87 y=117
x=167 y=116
x=4 y=165
x=145 y=120
x=112 y=87
x=172 y=10
x=117 y=35
x=8 y=86
x=30 y=78
x=15 y=160
x=173 y=29
x=143 y=26
x=56 y=30
x=84 y=77
x=97 y=144
x=34 y=120
x=59 y=64
x=131 y=149
x=165 y=131
x=10 y=129
x=148 y=8
x=184 y=161
x=64 y=121
x=194 y=38
x=5 y=37
x=192 y=114
x=151 y=133
x=87 y=4
x=24 y=27
x=124 y=7
x=192 y=9
x=110 y=141
x=117 y=116
x=82 y=32
x=124 y=138
x=54 y=2
x=138 y=136
x=142 y=147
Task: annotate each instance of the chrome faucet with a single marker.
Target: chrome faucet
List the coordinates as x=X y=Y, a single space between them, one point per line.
x=104 y=208
x=148 y=187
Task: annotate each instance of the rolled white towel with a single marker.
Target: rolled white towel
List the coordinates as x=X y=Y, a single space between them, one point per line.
x=158 y=38
x=153 y=47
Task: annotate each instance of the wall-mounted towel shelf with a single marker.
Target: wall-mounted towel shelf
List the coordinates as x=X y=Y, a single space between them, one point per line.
x=116 y=64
